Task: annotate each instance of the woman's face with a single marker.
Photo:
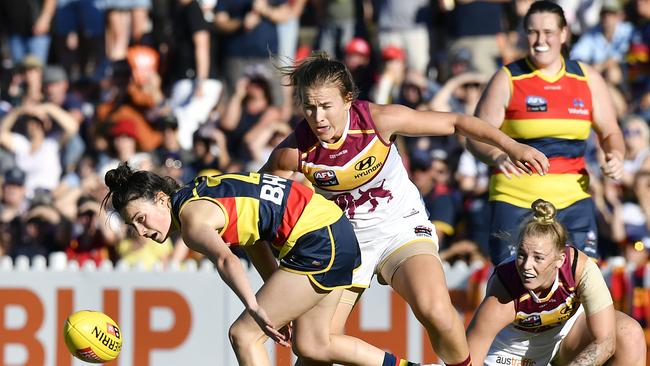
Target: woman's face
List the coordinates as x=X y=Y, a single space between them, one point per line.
x=150 y=219
x=256 y=101
x=537 y=262
x=35 y=129
x=545 y=38
x=326 y=112
x=635 y=136
x=125 y=146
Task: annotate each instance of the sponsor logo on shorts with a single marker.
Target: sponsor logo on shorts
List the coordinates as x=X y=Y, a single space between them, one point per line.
x=536 y=103
x=423 y=231
x=515 y=361
x=326 y=178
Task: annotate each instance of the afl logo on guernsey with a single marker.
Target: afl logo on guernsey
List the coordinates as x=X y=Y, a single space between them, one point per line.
x=325 y=178
x=531 y=321
x=365 y=163
x=536 y=104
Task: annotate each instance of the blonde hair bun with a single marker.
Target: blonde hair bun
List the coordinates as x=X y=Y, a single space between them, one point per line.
x=543 y=211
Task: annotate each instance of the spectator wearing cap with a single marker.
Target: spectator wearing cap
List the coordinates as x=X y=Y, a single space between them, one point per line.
x=406 y=24
x=170 y=146
x=605 y=45
x=13 y=206
x=37 y=151
x=32 y=70
x=94 y=240
x=44 y=231
x=28 y=26
x=56 y=88
x=13 y=201
x=123 y=146
x=210 y=150
x=358 y=59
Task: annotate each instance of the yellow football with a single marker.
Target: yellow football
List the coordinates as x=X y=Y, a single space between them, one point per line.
x=92 y=336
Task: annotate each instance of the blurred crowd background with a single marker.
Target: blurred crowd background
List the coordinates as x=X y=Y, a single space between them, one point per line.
x=189 y=87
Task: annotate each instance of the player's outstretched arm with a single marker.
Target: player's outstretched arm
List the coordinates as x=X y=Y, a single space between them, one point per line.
x=199 y=220
x=495 y=312
x=400 y=120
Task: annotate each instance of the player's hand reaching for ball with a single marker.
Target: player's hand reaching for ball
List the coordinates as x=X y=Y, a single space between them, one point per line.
x=260 y=317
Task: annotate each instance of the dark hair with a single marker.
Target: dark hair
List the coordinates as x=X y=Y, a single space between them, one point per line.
x=543 y=223
x=263 y=83
x=545 y=6
x=126 y=185
x=318 y=70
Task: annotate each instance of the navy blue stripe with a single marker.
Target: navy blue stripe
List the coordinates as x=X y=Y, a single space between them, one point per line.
x=554 y=147
x=572 y=67
x=519 y=67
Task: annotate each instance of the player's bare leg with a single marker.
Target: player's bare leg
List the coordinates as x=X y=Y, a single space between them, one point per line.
x=348 y=300
x=420 y=280
x=283 y=297
x=287 y=296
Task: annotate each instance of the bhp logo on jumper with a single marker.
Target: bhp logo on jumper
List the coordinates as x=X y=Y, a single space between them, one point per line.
x=349 y=203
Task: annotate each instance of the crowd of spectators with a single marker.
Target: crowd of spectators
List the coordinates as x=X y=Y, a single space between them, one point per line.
x=188 y=87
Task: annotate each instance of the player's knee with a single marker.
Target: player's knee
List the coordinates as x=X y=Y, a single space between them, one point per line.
x=434 y=313
x=242 y=336
x=309 y=348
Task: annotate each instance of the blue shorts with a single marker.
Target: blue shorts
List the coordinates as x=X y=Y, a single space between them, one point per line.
x=328 y=256
x=579 y=219
x=84 y=16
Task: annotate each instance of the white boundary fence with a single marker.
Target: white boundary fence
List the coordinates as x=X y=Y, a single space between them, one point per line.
x=177 y=315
